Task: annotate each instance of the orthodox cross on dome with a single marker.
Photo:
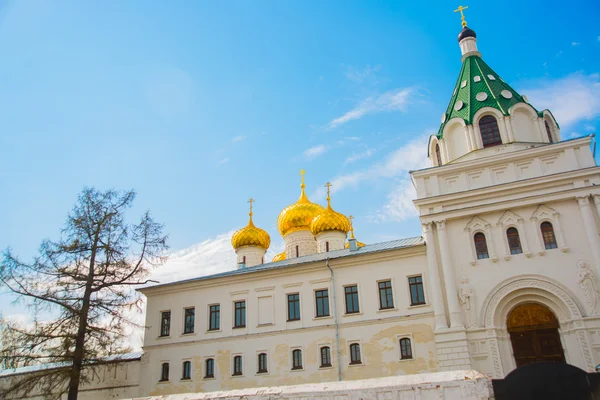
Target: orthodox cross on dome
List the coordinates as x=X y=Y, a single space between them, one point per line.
x=251 y=201
x=302 y=173
x=328 y=186
x=462 y=16
x=350 y=218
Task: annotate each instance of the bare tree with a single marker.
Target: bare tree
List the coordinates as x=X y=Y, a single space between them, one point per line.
x=79 y=290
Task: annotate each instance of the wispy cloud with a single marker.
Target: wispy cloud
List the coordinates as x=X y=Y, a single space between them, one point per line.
x=394 y=100
x=575 y=44
x=315 y=151
x=224 y=161
x=399 y=205
x=572 y=99
x=359 y=75
x=358 y=156
x=238 y=139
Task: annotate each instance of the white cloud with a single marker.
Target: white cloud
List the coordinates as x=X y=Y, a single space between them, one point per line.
x=396 y=165
x=394 y=100
x=399 y=205
x=575 y=44
x=589 y=128
x=238 y=139
x=358 y=156
x=224 y=161
x=315 y=151
x=572 y=99
x=357 y=75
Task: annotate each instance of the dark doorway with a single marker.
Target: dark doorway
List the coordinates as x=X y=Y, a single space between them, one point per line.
x=533 y=330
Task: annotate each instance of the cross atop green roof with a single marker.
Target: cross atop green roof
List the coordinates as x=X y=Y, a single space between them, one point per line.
x=478 y=86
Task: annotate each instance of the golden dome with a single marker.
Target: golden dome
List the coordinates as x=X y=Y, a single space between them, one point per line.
x=251 y=235
x=298 y=215
x=329 y=220
x=358 y=244
x=279 y=257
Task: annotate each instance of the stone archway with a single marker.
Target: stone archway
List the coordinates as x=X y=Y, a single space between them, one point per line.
x=534 y=336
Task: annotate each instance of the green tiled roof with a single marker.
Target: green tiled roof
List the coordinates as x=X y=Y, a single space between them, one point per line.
x=477 y=77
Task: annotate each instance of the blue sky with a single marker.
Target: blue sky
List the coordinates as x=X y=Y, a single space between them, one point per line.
x=200 y=105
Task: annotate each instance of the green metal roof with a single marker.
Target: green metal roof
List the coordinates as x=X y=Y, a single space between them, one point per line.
x=478 y=86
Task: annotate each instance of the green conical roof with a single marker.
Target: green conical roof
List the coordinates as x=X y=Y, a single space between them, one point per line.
x=478 y=86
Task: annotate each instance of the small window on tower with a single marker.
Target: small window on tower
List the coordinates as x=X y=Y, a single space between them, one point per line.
x=297 y=252
x=326 y=246
x=490 y=133
x=438 y=154
x=548 y=132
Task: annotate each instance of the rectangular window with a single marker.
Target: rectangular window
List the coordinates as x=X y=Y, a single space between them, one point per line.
x=322 y=302
x=214 y=321
x=355 y=354
x=293 y=307
x=164 y=372
x=240 y=314
x=210 y=368
x=417 y=296
x=188 y=325
x=237 y=365
x=351 y=299
x=187 y=370
x=325 y=357
x=262 y=363
x=386 y=299
x=165 y=323
x=297 y=359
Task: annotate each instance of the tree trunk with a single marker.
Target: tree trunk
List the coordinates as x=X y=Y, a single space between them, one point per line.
x=78 y=354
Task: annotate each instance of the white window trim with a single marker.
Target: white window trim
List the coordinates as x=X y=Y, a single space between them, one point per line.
x=359 y=293
x=208 y=330
x=191 y=378
x=474 y=226
x=319 y=347
x=363 y=360
x=394 y=298
x=233 y=356
x=159 y=337
x=287 y=308
x=546 y=214
x=160 y=363
x=214 y=367
x=422 y=275
x=193 y=333
x=328 y=302
x=291 y=366
x=512 y=220
x=412 y=347
x=241 y=328
x=268 y=363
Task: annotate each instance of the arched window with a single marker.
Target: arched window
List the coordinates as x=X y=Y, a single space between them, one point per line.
x=187 y=370
x=262 y=363
x=325 y=357
x=355 y=354
x=548 y=132
x=164 y=372
x=209 y=371
x=548 y=235
x=438 y=154
x=237 y=365
x=405 y=349
x=481 y=246
x=490 y=134
x=514 y=243
x=327 y=246
x=297 y=359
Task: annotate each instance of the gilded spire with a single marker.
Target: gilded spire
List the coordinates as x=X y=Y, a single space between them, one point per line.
x=350 y=218
x=303 y=198
x=462 y=16
x=328 y=186
x=250 y=213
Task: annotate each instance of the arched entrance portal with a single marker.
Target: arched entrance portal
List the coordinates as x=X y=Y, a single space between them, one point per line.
x=533 y=330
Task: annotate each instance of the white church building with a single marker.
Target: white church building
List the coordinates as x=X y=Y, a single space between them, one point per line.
x=505 y=272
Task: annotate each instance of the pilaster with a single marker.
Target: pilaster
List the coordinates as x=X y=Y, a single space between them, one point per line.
x=449 y=277
x=433 y=281
x=589 y=223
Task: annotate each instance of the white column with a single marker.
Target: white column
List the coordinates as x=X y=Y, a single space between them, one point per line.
x=435 y=289
x=509 y=130
x=597 y=202
x=449 y=279
x=470 y=146
x=589 y=223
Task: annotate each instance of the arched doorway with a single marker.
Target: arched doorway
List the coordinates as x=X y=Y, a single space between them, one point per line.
x=533 y=330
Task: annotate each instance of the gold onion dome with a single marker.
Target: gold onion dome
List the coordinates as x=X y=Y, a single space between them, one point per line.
x=251 y=235
x=329 y=220
x=358 y=244
x=279 y=257
x=298 y=215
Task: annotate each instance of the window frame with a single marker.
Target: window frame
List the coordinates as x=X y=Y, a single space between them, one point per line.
x=516 y=239
x=188 y=376
x=325 y=303
x=438 y=154
x=411 y=284
x=297 y=356
x=352 y=353
x=297 y=308
x=242 y=312
x=185 y=320
x=235 y=364
x=490 y=135
x=218 y=317
x=486 y=255
x=165 y=327
x=206 y=369
x=548 y=131
x=410 y=356
x=352 y=294
x=328 y=351
x=164 y=372
x=259 y=356
x=553 y=231
x=389 y=292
